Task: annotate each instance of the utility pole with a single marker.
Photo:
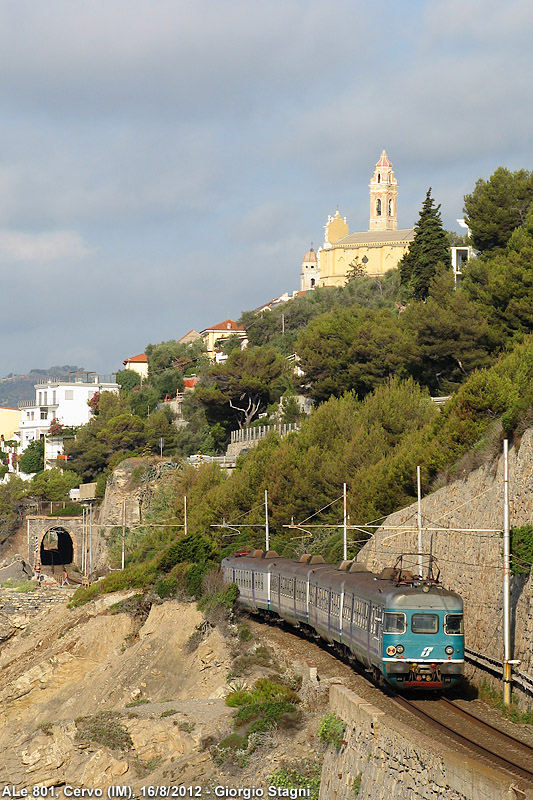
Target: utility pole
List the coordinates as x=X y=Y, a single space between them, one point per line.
x=90 y=537
x=345 y=528
x=123 y=531
x=267 y=536
x=185 y=515
x=506 y=577
x=161 y=443
x=419 y=523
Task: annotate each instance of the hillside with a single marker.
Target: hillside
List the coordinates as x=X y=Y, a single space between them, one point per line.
x=19 y=388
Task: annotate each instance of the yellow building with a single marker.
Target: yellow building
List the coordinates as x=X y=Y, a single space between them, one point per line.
x=376 y=250
x=9 y=422
x=214 y=335
x=138 y=364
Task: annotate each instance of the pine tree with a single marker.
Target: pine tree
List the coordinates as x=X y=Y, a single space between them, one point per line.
x=429 y=248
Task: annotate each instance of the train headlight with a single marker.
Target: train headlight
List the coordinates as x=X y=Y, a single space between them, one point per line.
x=448 y=650
x=391 y=650
x=399 y=648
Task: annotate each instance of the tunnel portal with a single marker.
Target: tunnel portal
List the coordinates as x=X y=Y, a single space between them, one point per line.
x=56 y=548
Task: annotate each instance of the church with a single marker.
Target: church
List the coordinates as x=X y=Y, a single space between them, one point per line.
x=375 y=251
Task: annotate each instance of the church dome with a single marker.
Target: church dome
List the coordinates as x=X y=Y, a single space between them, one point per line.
x=310 y=256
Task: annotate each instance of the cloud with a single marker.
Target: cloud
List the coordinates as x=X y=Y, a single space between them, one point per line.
x=41 y=247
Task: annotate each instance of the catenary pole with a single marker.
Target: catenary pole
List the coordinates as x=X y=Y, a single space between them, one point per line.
x=90 y=537
x=123 y=532
x=506 y=580
x=345 y=526
x=267 y=533
x=419 y=523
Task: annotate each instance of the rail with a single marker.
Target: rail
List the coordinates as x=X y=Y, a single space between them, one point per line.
x=496 y=667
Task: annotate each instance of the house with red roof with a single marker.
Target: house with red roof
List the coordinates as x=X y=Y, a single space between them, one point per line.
x=138 y=364
x=214 y=335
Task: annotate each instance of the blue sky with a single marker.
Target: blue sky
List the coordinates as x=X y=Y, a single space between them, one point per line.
x=166 y=164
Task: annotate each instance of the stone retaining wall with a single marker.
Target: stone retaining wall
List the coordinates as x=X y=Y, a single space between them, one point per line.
x=389 y=761
x=471 y=563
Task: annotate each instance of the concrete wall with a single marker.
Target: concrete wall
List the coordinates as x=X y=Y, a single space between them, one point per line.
x=394 y=762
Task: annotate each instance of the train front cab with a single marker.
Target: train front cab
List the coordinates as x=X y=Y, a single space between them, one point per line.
x=423 y=639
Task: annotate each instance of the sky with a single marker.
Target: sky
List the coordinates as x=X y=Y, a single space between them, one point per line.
x=166 y=164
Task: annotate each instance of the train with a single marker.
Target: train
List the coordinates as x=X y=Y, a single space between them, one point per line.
x=406 y=630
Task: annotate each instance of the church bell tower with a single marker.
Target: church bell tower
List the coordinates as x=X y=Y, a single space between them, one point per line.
x=383 y=195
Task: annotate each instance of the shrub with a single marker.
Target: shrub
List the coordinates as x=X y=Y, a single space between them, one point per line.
x=264 y=706
x=522 y=549
x=331 y=730
x=104 y=728
x=299 y=775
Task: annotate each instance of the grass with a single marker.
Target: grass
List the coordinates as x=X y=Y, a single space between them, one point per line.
x=143 y=768
x=169 y=713
x=104 y=728
x=141 y=701
x=298 y=775
x=46 y=728
x=494 y=698
x=21 y=585
x=258 y=657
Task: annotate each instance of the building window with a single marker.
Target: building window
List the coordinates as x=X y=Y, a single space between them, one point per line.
x=390 y=208
x=378 y=208
x=379 y=178
x=44 y=413
x=69 y=394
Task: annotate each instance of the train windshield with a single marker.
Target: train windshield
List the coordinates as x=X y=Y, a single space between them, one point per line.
x=424 y=623
x=394 y=623
x=453 y=624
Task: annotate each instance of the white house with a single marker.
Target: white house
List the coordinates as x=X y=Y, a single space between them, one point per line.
x=66 y=401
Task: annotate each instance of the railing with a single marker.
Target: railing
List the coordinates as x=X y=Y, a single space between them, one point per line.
x=79 y=377
x=496 y=667
x=261 y=431
x=222 y=461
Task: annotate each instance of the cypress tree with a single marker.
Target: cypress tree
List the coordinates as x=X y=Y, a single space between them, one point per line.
x=429 y=248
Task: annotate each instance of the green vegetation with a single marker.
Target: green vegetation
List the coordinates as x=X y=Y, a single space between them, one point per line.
x=268 y=705
x=299 y=775
x=169 y=713
x=331 y=730
x=494 y=698
x=497 y=207
x=522 y=550
x=356 y=785
x=104 y=728
x=32 y=459
x=427 y=253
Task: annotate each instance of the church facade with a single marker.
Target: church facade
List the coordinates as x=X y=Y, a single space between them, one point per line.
x=374 y=251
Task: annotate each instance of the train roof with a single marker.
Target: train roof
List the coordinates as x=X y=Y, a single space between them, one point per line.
x=395 y=588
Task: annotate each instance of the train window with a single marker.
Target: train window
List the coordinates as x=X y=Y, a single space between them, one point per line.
x=453 y=624
x=347 y=607
x=424 y=623
x=394 y=622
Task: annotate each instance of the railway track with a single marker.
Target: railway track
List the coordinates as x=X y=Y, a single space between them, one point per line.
x=492 y=744
x=484 y=741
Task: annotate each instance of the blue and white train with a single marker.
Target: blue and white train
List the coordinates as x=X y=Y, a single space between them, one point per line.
x=407 y=631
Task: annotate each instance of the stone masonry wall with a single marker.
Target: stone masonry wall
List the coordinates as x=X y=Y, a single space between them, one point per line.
x=471 y=563
x=390 y=760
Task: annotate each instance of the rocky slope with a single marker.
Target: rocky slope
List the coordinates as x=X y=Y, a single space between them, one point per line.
x=130 y=673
